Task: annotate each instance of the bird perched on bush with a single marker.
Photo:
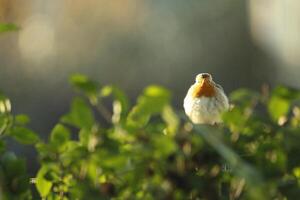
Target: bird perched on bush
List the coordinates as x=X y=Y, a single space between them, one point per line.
x=205 y=101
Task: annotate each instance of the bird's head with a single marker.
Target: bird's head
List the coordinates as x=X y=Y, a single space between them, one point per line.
x=204 y=86
x=203 y=77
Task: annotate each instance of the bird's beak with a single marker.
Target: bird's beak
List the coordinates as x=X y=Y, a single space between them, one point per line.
x=204 y=88
x=204 y=80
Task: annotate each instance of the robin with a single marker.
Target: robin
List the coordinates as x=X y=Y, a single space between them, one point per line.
x=205 y=101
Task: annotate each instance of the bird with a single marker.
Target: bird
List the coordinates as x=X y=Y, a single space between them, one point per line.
x=205 y=101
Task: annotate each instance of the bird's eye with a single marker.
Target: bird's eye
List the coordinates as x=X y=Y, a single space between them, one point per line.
x=205 y=75
x=202 y=76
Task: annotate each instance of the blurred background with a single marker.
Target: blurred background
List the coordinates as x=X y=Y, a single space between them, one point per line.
x=134 y=43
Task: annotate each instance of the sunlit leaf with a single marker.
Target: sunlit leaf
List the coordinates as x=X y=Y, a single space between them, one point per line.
x=286 y=93
x=296 y=172
x=278 y=107
x=153 y=100
x=42 y=184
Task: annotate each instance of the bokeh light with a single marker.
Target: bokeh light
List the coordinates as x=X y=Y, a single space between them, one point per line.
x=37 y=39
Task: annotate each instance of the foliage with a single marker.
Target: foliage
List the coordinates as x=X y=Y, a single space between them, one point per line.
x=151 y=151
x=14 y=180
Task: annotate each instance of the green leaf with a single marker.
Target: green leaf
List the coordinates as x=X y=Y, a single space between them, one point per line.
x=80 y=116
x=286 y=93
x=8 y=27
x=106 y=91
x=278 y=107
x=296 y=172
x=42 y=184
x=59 y=135
x=22 y=119
x=153 y=100
x=24 y=135
x=281 y=100
x=84 y=84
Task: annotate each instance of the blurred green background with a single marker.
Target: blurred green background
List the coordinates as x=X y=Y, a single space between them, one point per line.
x=134 y=43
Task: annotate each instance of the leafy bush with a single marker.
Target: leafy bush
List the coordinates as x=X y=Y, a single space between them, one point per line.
x=151 y=151
x=14 y=181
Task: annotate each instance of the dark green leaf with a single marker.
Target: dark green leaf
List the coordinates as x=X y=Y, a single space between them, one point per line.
x=12 y=165
x=20 y=184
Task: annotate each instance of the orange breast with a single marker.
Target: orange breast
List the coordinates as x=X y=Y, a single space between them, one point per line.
x=205 y=89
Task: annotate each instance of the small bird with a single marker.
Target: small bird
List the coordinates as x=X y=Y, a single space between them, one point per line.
x=205 y=101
